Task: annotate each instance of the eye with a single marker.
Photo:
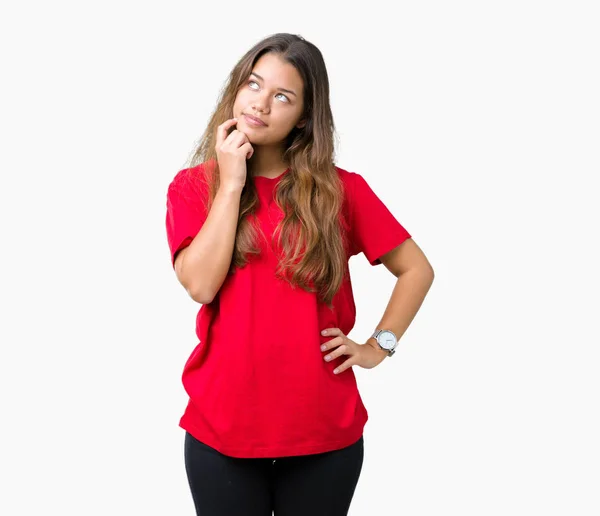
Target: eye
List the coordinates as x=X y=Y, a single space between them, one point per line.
x=284 y=96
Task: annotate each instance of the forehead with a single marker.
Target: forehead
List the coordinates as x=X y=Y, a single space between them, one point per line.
x=278 y=73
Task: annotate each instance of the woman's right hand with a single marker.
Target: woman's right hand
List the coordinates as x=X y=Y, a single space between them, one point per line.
x=232 y=153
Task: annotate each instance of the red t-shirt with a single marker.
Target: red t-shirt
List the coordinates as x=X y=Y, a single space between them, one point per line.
x=257 y=382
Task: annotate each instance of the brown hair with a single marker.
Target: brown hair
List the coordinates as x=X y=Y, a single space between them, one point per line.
x=310 y=194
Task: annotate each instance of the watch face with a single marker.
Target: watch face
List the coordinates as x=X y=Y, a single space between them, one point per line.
x=386 y=339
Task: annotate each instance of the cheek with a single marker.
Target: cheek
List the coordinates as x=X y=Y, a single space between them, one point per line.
x=291 y=121
x=239 y=102
x=281 y=125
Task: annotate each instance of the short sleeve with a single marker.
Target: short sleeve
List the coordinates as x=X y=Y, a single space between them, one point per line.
x=374 y=229
x=186 y=209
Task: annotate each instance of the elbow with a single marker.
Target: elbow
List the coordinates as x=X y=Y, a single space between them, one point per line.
x=202 y=294
x=430 y=274
x=200 y=297
x=425 y=272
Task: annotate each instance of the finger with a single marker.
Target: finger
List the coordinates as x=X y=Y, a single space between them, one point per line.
x=339 y=351
x=331 y=331
x=222 y=130
x=333 y=343
x=346 y=365
x=237 y=138
x=249 y=150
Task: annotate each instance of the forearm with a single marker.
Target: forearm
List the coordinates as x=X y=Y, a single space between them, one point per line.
x=406 y=299
x=207 y=259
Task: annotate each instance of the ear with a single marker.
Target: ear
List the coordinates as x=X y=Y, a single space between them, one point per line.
x=301 y=124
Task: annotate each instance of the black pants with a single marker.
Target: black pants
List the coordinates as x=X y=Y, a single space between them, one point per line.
x=320 y=484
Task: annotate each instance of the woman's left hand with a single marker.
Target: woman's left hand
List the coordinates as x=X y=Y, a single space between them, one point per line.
x=364 y=355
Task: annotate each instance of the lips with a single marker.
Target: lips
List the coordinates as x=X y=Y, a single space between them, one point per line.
x=257 y=120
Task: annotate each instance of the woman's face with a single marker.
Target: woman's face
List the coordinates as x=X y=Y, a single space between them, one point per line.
x=273 y=93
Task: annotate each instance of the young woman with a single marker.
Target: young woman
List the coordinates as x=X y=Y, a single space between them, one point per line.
x=261 y=226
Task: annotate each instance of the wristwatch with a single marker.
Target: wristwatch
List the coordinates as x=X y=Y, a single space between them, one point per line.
x=386 y=340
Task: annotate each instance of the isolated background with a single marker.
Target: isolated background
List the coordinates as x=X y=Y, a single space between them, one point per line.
x=477 y=123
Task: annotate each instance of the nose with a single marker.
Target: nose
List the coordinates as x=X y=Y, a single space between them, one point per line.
x=260 y=104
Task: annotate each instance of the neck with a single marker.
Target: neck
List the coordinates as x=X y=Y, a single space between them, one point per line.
x=267 y=162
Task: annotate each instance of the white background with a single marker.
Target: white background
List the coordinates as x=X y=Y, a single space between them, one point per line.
x=477 y=123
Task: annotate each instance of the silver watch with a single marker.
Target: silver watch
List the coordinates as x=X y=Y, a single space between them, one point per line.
x=386 y=340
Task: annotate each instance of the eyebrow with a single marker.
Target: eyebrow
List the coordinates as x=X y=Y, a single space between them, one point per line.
x=281 y=89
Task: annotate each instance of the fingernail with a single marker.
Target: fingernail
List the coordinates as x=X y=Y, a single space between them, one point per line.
x=324 y=332
x=336 y=371
x=323 y=347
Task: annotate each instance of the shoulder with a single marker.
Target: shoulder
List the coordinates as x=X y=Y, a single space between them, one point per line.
x=347 y=180
x=192 y=180
x=353 y=183
x=344 y=175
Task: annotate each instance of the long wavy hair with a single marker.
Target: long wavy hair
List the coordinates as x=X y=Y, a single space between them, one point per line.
x=311 y=234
